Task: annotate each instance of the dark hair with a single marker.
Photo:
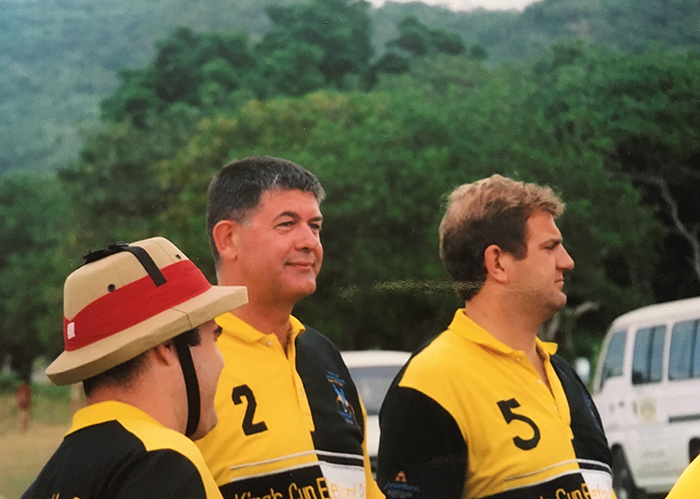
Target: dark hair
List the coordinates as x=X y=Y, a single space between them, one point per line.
x=235 y=191
x=125 y=374
x=494 y=210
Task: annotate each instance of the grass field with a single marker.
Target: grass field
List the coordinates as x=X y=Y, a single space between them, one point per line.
x=23 y=455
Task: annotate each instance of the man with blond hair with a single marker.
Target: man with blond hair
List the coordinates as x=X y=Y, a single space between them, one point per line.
x=486 y=409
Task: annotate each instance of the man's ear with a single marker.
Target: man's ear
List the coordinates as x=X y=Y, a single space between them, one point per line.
x=497 y=262
x=165 y=353
x=224 y=238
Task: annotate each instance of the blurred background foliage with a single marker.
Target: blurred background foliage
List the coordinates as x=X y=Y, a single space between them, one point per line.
x=391 y=108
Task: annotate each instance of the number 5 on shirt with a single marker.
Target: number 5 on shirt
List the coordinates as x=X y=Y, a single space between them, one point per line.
x=506 y=407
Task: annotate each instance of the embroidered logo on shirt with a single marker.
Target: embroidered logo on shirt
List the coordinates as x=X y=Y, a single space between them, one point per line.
x=399 y=489
x=345 y=409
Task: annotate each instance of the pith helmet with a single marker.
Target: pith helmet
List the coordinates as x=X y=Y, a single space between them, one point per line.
x=129 y=298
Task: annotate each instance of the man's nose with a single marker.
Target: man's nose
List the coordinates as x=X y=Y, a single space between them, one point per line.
x=309 y=238
x=565 y=260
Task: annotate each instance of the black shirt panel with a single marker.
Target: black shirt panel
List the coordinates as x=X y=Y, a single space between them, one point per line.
x=105 y=461
x=589 y=438
x=332 y=395
x=434 y=455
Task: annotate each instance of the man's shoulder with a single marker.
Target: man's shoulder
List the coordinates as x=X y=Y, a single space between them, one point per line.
x=567 y=374
x=438 y=353
x=312 y=339
x=157 y=437
x=115 y=453
x=168 y=448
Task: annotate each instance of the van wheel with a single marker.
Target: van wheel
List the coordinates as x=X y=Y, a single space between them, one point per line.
x=623 y=483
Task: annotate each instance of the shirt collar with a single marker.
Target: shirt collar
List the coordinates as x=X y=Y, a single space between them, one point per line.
x=230 y=324
x=107 y=411
x=464 y=326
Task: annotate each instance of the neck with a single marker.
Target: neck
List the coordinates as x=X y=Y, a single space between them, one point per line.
x=269 y=316
x=268 y=320
x=511 y=321
x=504 y=322
x=154 y=391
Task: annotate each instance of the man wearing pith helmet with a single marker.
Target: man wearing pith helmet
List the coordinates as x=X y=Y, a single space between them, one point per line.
x=139 y=334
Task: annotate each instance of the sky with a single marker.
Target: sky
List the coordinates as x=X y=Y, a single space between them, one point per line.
x=469 y=4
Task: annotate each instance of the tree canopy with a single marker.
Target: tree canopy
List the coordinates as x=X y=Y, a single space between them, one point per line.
x=61 y=58
x=313 y=45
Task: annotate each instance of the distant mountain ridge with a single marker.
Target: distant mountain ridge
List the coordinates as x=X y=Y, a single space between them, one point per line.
x=60 y=58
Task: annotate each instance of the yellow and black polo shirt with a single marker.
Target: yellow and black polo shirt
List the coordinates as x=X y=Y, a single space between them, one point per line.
x=469 y=417
x=291 y=426
x=114 y=450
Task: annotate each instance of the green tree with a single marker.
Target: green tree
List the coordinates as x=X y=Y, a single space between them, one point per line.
x=419 y=40
x=113 y=189
x=640 y=112
x=35 y=215
x=199 y=70
x=340 y=29
x=292 y=70
x=416 y=41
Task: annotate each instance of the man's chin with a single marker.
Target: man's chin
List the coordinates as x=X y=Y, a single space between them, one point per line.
x=303 y=290
x=560 y=302
x=555 y=306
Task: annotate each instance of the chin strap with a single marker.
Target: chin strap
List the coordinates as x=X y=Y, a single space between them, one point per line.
x=191 y=384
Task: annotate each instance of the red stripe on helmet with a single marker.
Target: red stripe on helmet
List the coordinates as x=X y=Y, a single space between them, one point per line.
x=134 y=303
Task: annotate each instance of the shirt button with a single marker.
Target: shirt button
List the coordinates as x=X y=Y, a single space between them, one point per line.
x=269 y=343
x=518 y=359
x=555 y=408
x=539 y=381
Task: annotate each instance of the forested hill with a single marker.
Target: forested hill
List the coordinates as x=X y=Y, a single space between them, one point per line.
x=60 y=58
x=624 y=25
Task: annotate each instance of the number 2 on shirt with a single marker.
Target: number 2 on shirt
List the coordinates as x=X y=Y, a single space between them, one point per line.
x=249 y=428
x=506 y=407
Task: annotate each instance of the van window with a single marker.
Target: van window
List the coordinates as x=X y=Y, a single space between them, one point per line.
x=648 y=355
x=614 y=357
x=684 y=357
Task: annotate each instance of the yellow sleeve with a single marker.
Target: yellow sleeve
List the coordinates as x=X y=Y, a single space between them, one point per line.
x=687 y=485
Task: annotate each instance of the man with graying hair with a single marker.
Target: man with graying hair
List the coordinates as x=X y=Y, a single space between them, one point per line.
x=139 y=334
x=291 y=421
x=486 y=409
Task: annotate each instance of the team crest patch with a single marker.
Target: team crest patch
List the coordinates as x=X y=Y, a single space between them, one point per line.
x=345 y=409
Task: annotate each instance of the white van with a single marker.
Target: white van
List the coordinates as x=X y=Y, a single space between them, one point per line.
x=647 y=390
